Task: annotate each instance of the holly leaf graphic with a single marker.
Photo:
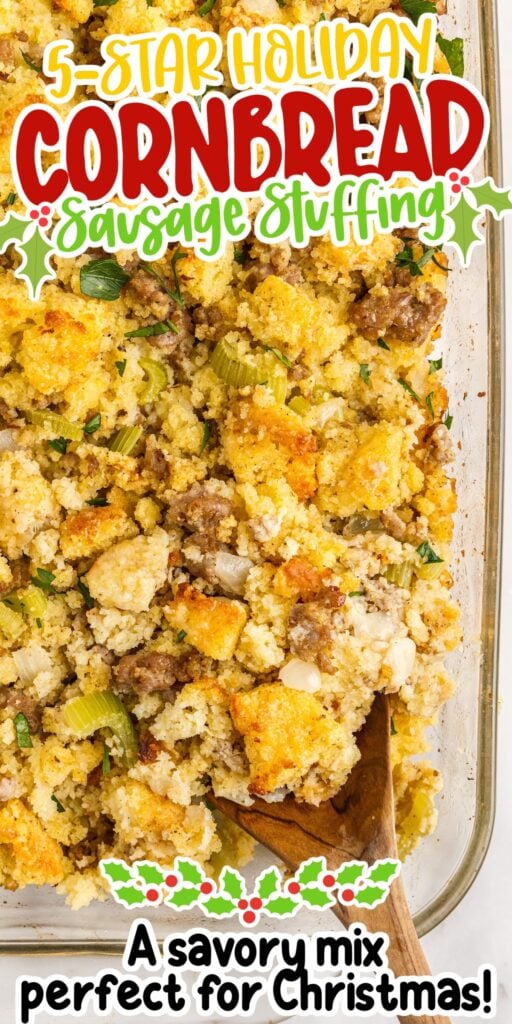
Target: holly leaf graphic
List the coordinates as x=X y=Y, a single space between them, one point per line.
x=35 y=268
x=496 y=199
x=116 y=871
x=12 y=229
x=310 y=871
x=183 y=898
x=281 y=905
x=384 y=871
x=316 y=897
x=267 y=883
x=464 y=236
x=219 y=905
x=370 y=895
x=150 y=873
x=130 y=895
x=350 y=873
x=231 y=883
x=189 y=871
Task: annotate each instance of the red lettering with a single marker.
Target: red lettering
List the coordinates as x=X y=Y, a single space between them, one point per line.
x=94 y=182
x=38 y=129
x=305 y=158
x=249 y=128
x=145 y=142
x=212 y=152
x=443 y=95
x=350 y=138
x=403 y=147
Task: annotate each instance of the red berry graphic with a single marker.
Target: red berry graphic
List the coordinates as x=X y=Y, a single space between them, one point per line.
x=34 y=214
x=171 y=881
x=45 y=209
x=206 y=887
x=329 y=881
x=256 y=903
x=453 y=176
x=456 y=189
x=43 y=222
x=347 y=895
x=242 y=904
x=249 y=917
x=293 y=888
x=465 y=180
x=152 y=895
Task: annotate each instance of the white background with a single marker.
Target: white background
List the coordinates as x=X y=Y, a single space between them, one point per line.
x=478 y=931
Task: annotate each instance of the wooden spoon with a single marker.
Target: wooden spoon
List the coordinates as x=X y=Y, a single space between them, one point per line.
x=357 y=824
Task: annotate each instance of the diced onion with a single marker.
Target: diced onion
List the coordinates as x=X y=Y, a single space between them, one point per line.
x=301 y=675
x=30 y=661
x=103 y=710
x=238 y=372
x=58 y=425
x=400 y=574
x=231 y=571
x=157 y=380
x=400 y=658
x=11 y=622
x=126 y=440
x=7 y=442
x=371 y=625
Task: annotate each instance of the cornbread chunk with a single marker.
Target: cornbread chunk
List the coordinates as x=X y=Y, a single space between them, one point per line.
x=27 y=504
x=128 y=575
x=286 y=732
x=91 y=530
x=212 y=624
x=27 y=852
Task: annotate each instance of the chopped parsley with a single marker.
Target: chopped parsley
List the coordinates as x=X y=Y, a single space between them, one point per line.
x=181 y=636
x=448 y=420
x=407 y=387
x=415 y=8
x=23 y=737
x=206 y=7
x=105 y=764
x=364 y=372
x=44 y=579
x=60 y=807
x=30 y=63
x=176 y=294
x=121 y=366
x=152 y=330
x=93 y=424
x=428 y=403
x=86 y=593
x=178 y=255
x=206 y=435
x=103 y=3
x=39 y=624
x=382 y=344
x=453 y=50
x=59 y=444
x=427 y=553
x=392 y=727
x=102 y=279
x=241 y=255
x=356 y=593
x=405 y=258
x=97 y=502
x=434 y=365
x=11 y=199
x=279 y=355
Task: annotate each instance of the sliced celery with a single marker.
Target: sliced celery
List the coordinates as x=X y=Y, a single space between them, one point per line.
x=400 y=575
x=11 y=622
x=238 y=372
x=58 y=425
x=299 y=405
x=103 y=710
x=126 y=440
x=157 y=380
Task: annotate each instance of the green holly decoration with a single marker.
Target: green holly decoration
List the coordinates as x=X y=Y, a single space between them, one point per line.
x=150 y=873
x=219 y=905
x=130 y=895
x=384 y=871
x=350 y=873
x=231 y=883
x=267 y=883
x=117 y=871
x=189 y=871
x=464 y=235
x=184 y=898
x=35 y=268
x=281 y=905
x=496 y=199
x=316 y=897
x=370 y=895
x=311 y=870
x=12 y=229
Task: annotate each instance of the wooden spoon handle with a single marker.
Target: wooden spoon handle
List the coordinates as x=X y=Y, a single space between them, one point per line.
x=405 y=955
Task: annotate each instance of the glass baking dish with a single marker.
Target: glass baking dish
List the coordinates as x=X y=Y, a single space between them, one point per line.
x=463 y=745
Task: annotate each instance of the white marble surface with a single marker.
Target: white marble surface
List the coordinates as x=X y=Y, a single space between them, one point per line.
x=479 y=930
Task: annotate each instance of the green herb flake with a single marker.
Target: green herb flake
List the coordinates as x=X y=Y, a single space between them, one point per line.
x=429 y=405
x=86 y=593
x=30 y=63
x=434 y=365
x=59 y=444
x=102 y=279
x=382 y=344
x=44 y=580
x=121 y=366
x=392 y=727
x=23 y=737
x=103 y=3
x=11 y=199
x=276 y=352
x=105 y=764
x=39 y=624
x=93 y=424
x=453 y=50
x=356 y=593
x=97 y=502
x=241 y=255
x=427 y=553
x=448 y=420
x=181 y=636
x=60 y=807
x=322 y=17
x=415 y=8
x=152 y=330
x=407 y=387
x=178 y=255
x=365 y=372
x=174 y=295
x=207 y=426
x=206 y=8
